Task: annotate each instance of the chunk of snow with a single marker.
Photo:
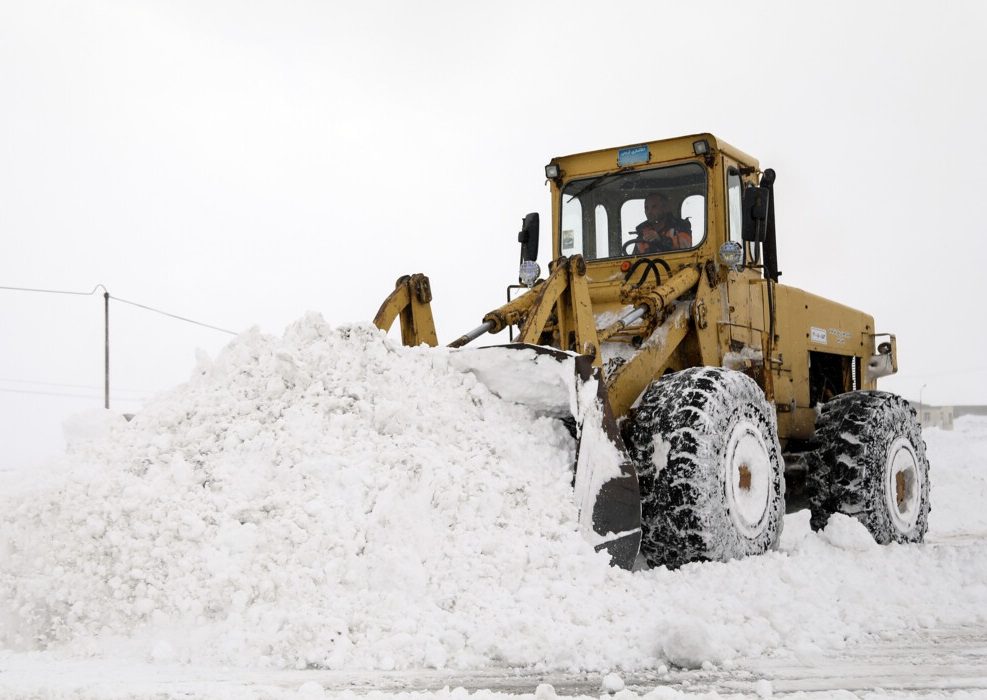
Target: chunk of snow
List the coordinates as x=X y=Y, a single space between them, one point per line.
x=690 y=644
x=847 y=533
x=611 y=683
x=545 y=691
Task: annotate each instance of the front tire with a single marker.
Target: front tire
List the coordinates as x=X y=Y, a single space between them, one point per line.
x=870 y=463
x=705 y=443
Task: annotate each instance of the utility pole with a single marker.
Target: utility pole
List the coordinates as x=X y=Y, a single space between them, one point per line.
x=106 y=349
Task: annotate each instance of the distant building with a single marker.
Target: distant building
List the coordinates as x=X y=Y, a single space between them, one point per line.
x=970 y=411
x=935 y=416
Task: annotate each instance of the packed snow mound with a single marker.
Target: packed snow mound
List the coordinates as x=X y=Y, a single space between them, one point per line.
x=331 y=499
x=305 y=495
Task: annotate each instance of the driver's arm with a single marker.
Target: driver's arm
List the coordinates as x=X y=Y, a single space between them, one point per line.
x=681 y=239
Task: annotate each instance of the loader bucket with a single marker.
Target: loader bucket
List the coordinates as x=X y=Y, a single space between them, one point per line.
x=563 y=384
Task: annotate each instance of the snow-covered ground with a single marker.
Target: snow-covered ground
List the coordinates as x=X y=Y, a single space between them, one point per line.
x=330 y=510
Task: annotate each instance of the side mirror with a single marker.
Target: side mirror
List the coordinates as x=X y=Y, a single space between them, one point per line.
x=528 y=238
x=757 y=201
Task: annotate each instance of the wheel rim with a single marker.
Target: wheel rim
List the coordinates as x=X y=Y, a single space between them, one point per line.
x=903 y=484
x=748 y=478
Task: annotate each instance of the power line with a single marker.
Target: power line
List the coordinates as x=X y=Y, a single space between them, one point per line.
x=106 y=341
x=106 y=334
x=180 y=318
x=55 y=291
x=124 y=301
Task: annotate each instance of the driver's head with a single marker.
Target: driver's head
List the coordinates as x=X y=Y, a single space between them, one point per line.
x=656 y=206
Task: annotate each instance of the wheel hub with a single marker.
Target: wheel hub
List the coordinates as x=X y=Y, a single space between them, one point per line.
x=748 y=478
x=903 y=484
x=745 y=477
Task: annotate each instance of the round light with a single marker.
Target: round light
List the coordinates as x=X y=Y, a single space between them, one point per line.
x=732 y=255
x=529 y=273
x=551 y=171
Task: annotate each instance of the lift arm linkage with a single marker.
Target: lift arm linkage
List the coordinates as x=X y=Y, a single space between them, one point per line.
x=410 y=301
x=566 y=293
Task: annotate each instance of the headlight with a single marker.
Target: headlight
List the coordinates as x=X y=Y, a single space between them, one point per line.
x=732 y=255
x=529 y=273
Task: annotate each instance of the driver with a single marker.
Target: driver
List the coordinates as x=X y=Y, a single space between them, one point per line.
x=662 y=230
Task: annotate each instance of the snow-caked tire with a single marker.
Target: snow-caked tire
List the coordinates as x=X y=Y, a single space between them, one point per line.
x=705 y=444
x=870 y=463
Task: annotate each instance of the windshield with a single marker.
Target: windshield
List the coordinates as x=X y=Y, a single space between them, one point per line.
x=641 y=212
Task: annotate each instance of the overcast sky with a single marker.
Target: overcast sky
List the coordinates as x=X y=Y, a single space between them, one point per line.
x=241 y=163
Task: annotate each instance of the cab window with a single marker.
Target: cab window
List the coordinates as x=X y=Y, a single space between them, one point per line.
x=572 y=228
x=734 y=198
x=641 y=212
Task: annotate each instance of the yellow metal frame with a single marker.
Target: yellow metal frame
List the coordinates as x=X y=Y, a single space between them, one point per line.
x=701 y=314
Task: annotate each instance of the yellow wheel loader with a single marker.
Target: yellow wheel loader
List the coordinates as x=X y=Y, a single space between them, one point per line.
x=699 y=388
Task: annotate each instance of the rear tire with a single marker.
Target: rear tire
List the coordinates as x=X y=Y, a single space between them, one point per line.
x=705 y=443
x=870 y=463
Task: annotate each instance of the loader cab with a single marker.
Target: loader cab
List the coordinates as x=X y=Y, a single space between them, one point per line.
x=607 y=216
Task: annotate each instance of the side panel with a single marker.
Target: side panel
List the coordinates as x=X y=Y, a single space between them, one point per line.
x=747 y=311
x=806 y=323
x=744 y=328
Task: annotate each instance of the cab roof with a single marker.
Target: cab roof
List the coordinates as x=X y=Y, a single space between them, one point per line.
x=660 y=151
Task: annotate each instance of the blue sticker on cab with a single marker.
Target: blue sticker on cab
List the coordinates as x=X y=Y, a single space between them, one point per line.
x=633 y=155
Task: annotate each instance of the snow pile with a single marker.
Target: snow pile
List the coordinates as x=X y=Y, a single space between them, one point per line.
x=327 y=499
x=330 y=499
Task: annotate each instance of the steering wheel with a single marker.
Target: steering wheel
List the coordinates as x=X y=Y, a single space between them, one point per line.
x=631 y=246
